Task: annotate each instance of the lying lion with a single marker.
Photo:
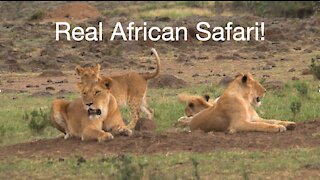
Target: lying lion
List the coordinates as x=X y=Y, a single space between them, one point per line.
x=92 y=115
x=233 y=111
x=129 y=88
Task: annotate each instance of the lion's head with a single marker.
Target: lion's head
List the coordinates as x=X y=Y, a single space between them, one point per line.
x=95 y=96
x=88 y=74
x=252 y=90
x=194 y=103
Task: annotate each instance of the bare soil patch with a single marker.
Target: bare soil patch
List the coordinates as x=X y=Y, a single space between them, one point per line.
x=306 y=135
x=72 y=11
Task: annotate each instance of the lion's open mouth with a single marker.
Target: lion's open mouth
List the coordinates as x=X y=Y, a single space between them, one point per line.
x=94 y=112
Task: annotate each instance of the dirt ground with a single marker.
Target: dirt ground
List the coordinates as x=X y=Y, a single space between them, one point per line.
x=32 y=62
x=306 y=135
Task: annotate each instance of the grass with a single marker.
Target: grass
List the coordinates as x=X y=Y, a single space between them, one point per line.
x=182 y=9
x=217 y=165
x=233 y=164
x=167 y=109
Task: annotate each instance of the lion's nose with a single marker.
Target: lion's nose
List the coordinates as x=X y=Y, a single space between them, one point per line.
x=89 y=104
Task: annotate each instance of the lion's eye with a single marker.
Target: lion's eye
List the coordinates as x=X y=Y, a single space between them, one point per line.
x=84 y=93
x=97 y=92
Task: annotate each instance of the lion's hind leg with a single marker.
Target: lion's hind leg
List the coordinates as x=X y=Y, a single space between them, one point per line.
x=146 y=109
x=134 y=105
x=58 y=116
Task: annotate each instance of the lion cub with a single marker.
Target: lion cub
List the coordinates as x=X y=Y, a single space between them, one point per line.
x=233 y=111
x=129 y=88
x=90 y=116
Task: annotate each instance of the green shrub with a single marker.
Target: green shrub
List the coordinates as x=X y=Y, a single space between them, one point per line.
x=295 y=108
x=195 y=164
x=37 y=16
x=37 y=120
x=127 y=169
x=315 y=69
x=302 y=88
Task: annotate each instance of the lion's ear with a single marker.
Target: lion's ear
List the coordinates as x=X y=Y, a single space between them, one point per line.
x=106 y=82
x=79 y=70
x=97 y=68
x=206 y=97
x=79 y=86
x=244 y=79
x=191 y=105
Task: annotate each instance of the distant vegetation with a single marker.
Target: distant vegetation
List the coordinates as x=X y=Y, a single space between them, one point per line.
x=292 y=9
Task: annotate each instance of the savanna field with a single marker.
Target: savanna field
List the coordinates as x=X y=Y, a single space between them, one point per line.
x=35 y=70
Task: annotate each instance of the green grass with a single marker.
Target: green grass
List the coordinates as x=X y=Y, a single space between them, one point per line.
x=183 y=9
x=275 y=105
x=233 y=164
x=217 y=165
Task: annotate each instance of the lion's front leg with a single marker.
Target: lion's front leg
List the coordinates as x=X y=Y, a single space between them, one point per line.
x=288 y=124
x=255 y=126
x=183 y=121
x=122 y=130
x=58 y=116
x=256 y=118
x=91 y=133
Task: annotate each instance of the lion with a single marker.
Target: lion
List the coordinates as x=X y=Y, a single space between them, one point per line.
x=128 y=89
x=194 y=103
x=234 y=110
x=91 y=117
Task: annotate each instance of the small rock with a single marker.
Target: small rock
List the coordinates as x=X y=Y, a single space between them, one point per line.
x=306 y=72
x=203 y=57
x=32 y=86
x=50 y=88
x=317 y=56
x=297 y=48
x=307 y=51
x=270 y=63
x=292 y=70
x=274 y=85
x=225 y=81
x=182 y=58
x=267 y=67
x=294 y=78
x=195 y=75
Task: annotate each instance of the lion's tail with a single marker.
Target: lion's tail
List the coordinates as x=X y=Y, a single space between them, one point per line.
x=148 y=76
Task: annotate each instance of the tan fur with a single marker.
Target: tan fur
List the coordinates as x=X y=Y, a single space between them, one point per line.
x=72 y=117
x=129 y=88
x=194 y=103
x=234 y=110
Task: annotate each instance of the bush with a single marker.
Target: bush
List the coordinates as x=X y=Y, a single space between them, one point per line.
x=37 y=120
x=315 y=69
x=295 y=108
x=128 y=170
x=37 y=16
x=302 y=88
x=288 y=9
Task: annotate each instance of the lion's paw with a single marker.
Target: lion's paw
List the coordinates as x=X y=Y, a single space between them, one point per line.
x=66 y=136
x=281 y=128
x=125 y=131
x=291 y=126
x=105 y=137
